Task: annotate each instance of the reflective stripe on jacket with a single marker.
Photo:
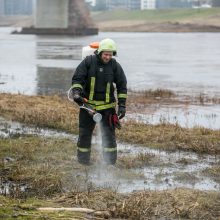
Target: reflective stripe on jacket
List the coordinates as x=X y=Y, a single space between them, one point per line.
x=96 y=80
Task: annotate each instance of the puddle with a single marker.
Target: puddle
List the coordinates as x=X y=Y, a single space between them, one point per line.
x=185 y=115
x=12 y=188
x=14 y=129
x=169 y=171
x=164 y=170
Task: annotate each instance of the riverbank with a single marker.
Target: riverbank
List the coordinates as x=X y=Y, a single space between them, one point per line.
x=16 y=21
x=163 y=20
x=174 y=204
x=40 y=175
x=166 y=20
x=58 y=113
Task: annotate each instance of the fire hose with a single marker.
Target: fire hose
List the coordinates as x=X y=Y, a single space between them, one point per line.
x=97 y=117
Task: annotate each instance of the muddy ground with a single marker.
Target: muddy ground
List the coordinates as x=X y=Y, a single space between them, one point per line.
x=39 y=167
x=42 y=172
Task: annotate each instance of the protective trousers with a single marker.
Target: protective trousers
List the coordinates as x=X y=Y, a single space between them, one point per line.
x=86 y=127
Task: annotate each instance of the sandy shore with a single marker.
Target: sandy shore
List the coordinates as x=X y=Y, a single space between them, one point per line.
x=16 y=21
x=142 y=26
x=128 y=25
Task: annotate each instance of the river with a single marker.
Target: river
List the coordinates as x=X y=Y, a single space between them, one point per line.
x=187 y=63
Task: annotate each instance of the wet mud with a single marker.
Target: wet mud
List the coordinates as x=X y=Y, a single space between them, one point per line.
x=138 y=168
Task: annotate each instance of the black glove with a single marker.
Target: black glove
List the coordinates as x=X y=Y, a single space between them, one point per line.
x=76 y=94
x=121 y=111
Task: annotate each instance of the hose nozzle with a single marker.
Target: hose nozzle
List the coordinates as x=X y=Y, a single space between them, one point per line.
x=97 y=117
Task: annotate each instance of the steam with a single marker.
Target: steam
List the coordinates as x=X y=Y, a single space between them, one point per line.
x=103 y=174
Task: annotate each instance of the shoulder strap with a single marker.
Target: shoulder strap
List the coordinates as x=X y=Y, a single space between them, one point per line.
x=114 y=65
x=91 y=59
x=88 y=61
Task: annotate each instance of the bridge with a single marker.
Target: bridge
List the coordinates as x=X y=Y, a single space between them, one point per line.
x=69 y=17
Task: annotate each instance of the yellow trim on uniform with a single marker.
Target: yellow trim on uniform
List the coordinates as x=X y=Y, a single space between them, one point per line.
x=107 y=149
x=103 y=107
x=84 y=150
x=107 y=95
x=93 y=102
x=76 y=86
x=122 y=95
x=92 y=88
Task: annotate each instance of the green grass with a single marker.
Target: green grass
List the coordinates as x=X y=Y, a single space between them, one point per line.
x=27 y=209
x=162 y=15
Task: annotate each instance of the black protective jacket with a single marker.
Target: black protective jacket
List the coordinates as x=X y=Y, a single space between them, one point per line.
x=97 y=80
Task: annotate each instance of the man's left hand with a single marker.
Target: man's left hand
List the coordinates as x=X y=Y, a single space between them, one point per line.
x=121 y=111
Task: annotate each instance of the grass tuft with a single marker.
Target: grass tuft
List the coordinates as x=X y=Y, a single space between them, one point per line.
x=56 y=112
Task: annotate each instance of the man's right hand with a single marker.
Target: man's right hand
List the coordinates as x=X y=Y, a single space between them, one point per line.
x=77 y=97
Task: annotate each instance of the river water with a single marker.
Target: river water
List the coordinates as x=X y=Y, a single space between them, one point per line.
x=187 y=63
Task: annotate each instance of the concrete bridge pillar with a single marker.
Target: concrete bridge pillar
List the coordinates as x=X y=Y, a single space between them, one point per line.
x=51 y=14
x=61 y=17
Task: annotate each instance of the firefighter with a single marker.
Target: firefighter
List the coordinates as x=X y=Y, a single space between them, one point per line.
x=95 y=79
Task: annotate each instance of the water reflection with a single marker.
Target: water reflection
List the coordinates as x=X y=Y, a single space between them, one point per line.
x=185 y=63
x=58 y=50
x=52 y=80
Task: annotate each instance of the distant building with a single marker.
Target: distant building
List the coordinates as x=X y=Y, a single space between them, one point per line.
x=134 y=4
x=113 y=4
x=202 y=3
x=148 y=4
x=2 y=7
x=160 y=4
x=153 y=4
x=92 y=2
x=123 y=4
x=16 y=7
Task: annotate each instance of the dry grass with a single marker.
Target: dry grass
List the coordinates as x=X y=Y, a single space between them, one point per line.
x=147 y=97
x=36 y=163
x=159 y=93
x=213 y=172
x=166 y=96
x=42 y=163
x=172 y=137
x=172 y=204
x=57 y=112
x=146 y=205
x=203 y=99
x=185 y=177
x=135 y=161
x=27 y=209
x=43 y=111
